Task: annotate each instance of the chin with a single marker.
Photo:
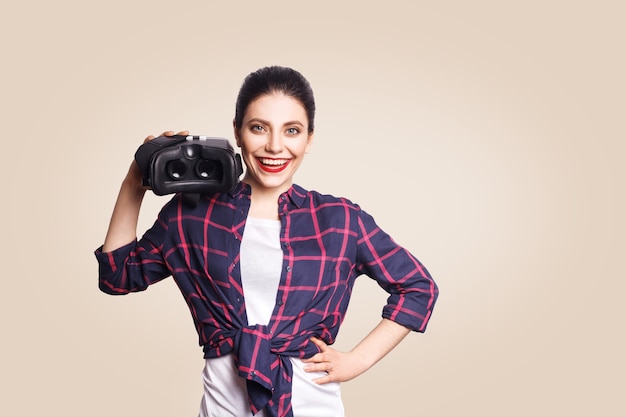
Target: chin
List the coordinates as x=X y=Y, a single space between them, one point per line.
x=275 y=185
x=269 y=183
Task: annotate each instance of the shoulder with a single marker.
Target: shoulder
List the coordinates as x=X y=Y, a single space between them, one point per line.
x=331 y=212
x=313 y=198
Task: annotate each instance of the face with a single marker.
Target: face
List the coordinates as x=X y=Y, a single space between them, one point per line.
x=273 y=139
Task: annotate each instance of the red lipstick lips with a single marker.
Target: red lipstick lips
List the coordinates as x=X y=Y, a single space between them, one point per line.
x=273 y=164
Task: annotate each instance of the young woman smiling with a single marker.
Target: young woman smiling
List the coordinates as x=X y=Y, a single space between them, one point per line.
x=273 y=136
x=268 y=269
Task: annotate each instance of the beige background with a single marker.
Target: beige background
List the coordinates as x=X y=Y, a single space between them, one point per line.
x=498 y=125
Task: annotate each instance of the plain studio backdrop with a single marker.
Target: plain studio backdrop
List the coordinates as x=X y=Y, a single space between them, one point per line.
x=487 y=137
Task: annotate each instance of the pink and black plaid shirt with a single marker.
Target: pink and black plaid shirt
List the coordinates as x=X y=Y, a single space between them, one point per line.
x=327 y=243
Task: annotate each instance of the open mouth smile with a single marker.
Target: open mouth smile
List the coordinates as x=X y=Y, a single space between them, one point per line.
x=273 y=164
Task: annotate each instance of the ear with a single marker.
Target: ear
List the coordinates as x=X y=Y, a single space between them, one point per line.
x=309 y=142
x=236 y=133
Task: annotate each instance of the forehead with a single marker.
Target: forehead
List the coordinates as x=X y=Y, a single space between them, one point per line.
x=276 y=108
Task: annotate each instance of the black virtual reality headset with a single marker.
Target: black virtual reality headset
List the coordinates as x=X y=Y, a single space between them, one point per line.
x=192 y=165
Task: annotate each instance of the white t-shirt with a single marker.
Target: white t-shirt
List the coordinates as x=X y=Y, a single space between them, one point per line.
x=225 y=393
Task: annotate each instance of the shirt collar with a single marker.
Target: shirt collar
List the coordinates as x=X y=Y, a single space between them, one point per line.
x=297 y=195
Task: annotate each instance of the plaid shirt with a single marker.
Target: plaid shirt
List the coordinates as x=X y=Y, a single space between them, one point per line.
x=327 y=243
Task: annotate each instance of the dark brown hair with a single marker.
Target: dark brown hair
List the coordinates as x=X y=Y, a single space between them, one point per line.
x=275 y=79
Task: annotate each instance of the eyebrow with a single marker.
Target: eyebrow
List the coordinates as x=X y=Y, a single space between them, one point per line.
x=259 y=120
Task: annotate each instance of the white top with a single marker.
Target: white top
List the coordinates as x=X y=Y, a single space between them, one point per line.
x=261 y=263
x=224 y=390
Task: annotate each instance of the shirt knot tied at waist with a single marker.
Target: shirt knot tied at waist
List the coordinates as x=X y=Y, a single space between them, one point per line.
x=263 y=361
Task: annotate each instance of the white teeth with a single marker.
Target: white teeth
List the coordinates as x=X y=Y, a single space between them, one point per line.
x=274 y=162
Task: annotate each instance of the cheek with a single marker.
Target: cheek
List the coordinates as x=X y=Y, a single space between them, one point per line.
x=248 y=143
x=303 y=148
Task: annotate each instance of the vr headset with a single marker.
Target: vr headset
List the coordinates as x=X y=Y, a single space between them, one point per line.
x=191 y=165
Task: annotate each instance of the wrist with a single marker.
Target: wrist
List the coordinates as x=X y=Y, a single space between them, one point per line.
x=133 y=182
x=363 y=358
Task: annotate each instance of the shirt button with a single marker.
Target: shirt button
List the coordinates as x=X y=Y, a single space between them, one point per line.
x=288 y=268
x=253 y=373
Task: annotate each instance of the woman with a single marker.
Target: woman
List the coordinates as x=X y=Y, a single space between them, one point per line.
x=268 y=268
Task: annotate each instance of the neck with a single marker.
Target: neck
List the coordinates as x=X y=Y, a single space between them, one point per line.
x=264 y=201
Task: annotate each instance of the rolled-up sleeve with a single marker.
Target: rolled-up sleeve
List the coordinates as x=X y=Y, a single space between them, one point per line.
x=134 y=266
x=412 y=290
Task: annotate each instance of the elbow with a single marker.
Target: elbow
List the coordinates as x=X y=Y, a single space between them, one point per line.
x=108 y=288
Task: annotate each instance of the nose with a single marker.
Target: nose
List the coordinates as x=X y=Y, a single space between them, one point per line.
x=274 y=143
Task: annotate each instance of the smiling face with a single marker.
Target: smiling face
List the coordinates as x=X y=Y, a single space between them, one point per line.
x=273 y=139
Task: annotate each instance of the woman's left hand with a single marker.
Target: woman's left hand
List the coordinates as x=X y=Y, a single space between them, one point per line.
x=343 y=366
x=339 y=366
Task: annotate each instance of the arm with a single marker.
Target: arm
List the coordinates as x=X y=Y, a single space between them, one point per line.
x=124 y=264
x=344 y=366
x=412 y=294
x=123 y=224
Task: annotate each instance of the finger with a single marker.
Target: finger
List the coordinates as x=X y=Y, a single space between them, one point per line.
x=319 y=367
x=324 y=379
x=167 y=133
x=317 y=358
x=319 y=343
x=171 y=133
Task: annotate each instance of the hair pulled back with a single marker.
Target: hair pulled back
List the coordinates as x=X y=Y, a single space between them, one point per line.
x=275 y=79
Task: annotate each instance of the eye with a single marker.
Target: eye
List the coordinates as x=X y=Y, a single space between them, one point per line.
x=293 y=131
x=257 y=128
